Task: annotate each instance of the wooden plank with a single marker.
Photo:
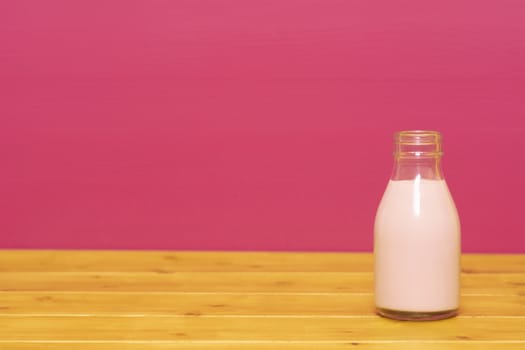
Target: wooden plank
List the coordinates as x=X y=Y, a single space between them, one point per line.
x=189 y=282
x=169 y=261
x=275 y=282
x=257 y=328
x=166 y=261
x=147 y=304
x=493 y=263
x=493 y=284
x=148 y=345
x=226 y=301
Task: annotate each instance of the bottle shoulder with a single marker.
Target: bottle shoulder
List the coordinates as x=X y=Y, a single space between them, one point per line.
x=417 y=199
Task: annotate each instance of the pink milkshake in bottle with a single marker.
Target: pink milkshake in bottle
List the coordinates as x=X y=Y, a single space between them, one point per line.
x=417 y=235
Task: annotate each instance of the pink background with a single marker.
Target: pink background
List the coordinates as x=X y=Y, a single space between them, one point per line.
x=257 y=125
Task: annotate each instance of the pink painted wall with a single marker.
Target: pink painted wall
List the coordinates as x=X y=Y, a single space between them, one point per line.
x=261 y=125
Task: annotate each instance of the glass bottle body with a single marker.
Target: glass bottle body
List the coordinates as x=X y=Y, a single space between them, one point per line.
x=417 y=235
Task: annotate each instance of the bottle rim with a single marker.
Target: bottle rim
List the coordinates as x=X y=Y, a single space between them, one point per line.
x=418 y=137
x=417 y=143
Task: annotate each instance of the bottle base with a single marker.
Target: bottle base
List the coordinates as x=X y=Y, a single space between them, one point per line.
x=416 y=315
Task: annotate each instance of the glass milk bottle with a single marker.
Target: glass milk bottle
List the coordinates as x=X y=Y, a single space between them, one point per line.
x=417 y=235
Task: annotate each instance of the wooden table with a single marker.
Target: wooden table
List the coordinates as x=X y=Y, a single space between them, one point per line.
x=89 y=300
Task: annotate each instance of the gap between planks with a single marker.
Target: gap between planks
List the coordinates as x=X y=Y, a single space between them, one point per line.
x=262 y=341
x=230 y=293
x=362 y=345
x=174 y=315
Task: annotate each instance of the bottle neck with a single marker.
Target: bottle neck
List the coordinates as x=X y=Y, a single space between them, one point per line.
x=417 y=155
x=428 y=168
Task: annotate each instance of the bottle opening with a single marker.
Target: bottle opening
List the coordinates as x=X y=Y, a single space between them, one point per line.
x=417 y=143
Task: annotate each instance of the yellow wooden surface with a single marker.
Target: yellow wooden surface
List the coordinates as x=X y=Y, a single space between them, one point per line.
x=182 y=300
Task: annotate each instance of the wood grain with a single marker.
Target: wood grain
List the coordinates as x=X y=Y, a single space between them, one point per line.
x=166 y=261
x=220 y=304
x=166 y=300
x=260 y=345
x=236 y=282
x=249 y=328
